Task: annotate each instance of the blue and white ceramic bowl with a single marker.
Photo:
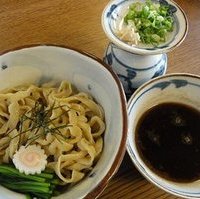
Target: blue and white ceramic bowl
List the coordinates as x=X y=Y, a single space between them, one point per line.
x=115 y=11
x=180 y=88
x=41 y=63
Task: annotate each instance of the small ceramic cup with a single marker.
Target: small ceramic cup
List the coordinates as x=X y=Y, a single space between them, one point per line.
x=136 y=64
x=179 y=88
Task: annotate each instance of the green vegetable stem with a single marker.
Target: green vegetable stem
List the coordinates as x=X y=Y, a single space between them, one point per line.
x=39 y=186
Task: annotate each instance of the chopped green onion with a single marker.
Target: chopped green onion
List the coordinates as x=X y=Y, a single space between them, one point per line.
x=153 y=21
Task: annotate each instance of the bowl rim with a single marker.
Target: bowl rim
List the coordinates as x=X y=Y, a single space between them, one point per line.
x=157 y=79
x=134 y=49
x=122 y=148
x=129 y=148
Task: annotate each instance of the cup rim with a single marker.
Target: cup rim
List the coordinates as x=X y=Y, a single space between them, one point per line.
x=158 y=78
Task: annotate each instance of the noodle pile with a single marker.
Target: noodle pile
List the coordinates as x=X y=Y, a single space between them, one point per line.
x=69 y=128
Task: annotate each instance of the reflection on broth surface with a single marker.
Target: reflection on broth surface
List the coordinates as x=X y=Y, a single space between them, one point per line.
x=168 y=140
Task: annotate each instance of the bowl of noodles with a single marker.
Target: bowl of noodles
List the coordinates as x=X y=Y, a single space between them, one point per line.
x=61 y=135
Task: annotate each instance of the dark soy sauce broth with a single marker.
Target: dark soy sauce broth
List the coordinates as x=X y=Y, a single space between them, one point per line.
x=168 y=141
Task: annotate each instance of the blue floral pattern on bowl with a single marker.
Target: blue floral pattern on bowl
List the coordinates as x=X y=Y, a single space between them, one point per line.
x=130 y=73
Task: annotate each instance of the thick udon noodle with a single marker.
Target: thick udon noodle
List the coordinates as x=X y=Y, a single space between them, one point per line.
x=81 y=118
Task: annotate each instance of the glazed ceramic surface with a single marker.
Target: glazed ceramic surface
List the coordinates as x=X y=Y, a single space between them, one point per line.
x=180 y=88
x=115 y=11
x=39 y=64
x=134 y=70
x=137 y=64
